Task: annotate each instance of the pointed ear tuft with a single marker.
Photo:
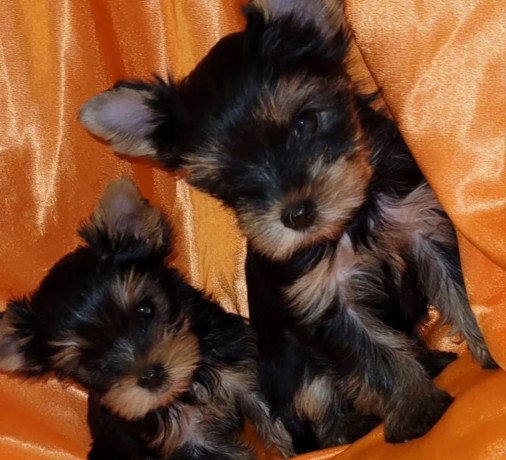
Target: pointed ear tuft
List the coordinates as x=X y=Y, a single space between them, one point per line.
x=122 y=116
x=327 y=15
x=124 y=224
x=16 y=330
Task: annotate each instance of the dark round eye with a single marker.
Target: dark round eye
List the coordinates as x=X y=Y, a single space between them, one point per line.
x=146 y=309
x=306 y=124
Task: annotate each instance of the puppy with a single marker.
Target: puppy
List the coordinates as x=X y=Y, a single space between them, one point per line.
x=347 y=243
x=170 y=374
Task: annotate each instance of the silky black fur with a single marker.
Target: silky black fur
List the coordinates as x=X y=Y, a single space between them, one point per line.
x=269 y=117
x=75 y=326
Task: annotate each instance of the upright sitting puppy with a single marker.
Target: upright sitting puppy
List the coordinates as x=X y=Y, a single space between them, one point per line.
x=347 y=244
x=170 y=374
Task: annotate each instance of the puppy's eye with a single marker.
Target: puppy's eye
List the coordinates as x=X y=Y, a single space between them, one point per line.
x=146 y=309
x=306 y=124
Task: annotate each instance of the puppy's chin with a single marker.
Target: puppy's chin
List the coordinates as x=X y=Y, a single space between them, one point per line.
x=278 y=243
x=269 y=236
x=178 y=353
x=130 y=401
x=337 y=191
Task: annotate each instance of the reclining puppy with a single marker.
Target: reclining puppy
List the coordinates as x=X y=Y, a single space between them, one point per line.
x=170 y=374
x=347 y=243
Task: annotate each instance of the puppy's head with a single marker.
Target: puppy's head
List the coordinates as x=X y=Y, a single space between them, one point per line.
x=266 y=123
x=108 y=315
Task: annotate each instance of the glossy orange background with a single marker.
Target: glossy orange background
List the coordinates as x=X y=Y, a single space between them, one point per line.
x=441 y=67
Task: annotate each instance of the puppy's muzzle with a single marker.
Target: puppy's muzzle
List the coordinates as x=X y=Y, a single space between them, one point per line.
x=153 y=378
x=299 y=216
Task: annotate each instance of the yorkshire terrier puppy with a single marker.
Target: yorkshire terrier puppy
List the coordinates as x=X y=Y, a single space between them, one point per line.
x=347 y=243
x=170 y=374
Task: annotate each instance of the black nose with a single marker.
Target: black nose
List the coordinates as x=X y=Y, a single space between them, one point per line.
x=153 y=378
x=299 y=216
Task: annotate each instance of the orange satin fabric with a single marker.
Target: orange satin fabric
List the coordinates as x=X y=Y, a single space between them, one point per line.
x=441 y=68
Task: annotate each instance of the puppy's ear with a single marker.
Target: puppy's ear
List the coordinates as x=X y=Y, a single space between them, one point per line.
x=137 y=118
x=17 y=334
x=125 y=226
x=326 y=15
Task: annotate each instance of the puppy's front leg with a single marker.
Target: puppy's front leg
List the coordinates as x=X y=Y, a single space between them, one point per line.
x=243 y=385
x=113 y=438
x=441 y=276
x=216 y=450
x=271 y=430
x=382 y=374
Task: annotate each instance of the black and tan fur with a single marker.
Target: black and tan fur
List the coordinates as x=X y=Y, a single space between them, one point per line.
x=347 y=243
x=170 y=374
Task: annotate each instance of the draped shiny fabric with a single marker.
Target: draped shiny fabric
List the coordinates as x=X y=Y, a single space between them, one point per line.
x=441 y=69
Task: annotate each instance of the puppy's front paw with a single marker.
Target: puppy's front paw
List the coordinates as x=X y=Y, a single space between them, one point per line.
x=413 y=419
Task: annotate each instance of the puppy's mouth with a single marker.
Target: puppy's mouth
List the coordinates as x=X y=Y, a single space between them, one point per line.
x=317 y=211
x=285 y=229
x=165 y=375
x=133 y=397
x=278 y=236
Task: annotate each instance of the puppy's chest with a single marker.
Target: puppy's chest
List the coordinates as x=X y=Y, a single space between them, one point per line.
x=188 y=425
x=417 y=216
x=330 y=281
x=350 y=274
